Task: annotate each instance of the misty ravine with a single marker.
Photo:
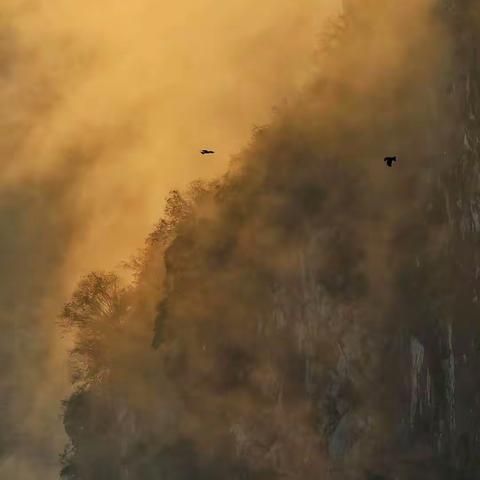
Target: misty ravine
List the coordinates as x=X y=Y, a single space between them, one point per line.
x=311 y=314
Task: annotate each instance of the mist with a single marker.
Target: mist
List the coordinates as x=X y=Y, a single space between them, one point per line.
x=300 y=310
x=307 y=306
x=104 y=110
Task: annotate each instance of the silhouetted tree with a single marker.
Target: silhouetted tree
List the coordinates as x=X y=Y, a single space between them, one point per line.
x=94 y=314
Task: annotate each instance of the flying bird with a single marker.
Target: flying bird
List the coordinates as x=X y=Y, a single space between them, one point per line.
x=203 y=152
x=390 y=160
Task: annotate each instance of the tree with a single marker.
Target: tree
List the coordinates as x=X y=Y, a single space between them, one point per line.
x=94 y=314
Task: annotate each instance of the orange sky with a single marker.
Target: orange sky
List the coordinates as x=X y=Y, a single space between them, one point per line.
x=140 y=87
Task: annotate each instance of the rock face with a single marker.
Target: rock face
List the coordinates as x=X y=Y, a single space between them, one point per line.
x=444 y=388
x=319 y=317
x=438 y=421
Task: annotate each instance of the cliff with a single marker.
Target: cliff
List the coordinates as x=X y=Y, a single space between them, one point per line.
x=315 y=312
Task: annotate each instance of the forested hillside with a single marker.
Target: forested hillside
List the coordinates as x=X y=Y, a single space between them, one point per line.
x=313 y=313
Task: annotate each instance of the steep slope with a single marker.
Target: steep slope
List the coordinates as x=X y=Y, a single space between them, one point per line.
x=315 y=312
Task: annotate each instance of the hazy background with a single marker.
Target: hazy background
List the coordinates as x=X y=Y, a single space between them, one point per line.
x=104 y=109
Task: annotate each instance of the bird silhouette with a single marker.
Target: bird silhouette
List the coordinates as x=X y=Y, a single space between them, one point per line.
x=390 y=160
x=203 y=152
